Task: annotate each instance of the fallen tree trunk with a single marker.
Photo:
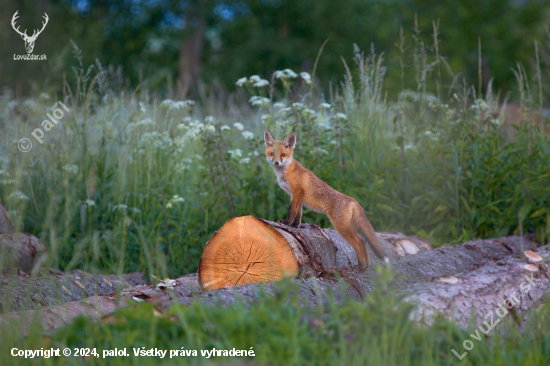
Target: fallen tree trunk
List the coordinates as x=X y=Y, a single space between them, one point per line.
x=53 y=288
x=19 y=251
x=248 y=249
x=511 y=285
x=424 y=267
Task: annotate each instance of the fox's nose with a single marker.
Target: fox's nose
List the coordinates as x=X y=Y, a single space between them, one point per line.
x=276 y=163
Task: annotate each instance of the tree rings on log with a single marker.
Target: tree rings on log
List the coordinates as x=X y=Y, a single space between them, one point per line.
x=246 y=250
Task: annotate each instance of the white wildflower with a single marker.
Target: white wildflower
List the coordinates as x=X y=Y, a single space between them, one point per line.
x=341 y=116
x=265 y=118
x=120 y=207
x=210 y=128
x=285 y=74
x=145 y=122
x=238 y=125
x=261 y=83
x=244 y=161
x=308 y=112
x=235 y=154
x=306 y=77
x=44 y=96
x=248 y=135
x=242 y=81
x=89 y=203
x=254 y=79
x=285 y=111
x=258 y=101
x=142 y=107
x=225 y=128
x=18 y=196
x=166 y=103
x=279 y=105
x=135 y=210
x=326 y=106
x=431 y=135
x=31 y=104
x=70 y=168
x=12 y=104
x=209 y=119
x=298 y=106
x=177 y=105
x=173 y=200
x=320 y=150
x=156 y=139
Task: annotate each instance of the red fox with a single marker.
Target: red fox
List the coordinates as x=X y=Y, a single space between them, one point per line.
x=345 y=213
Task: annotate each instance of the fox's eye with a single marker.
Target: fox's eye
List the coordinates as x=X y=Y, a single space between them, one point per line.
x=272 y=154
x=283 y=155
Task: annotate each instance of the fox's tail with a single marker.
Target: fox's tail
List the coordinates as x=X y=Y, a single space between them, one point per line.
x=366 y=232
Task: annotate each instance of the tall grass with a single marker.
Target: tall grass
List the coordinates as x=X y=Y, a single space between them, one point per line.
x=130 y=181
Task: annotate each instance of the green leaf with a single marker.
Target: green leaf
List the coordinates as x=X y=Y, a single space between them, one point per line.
x=539 y=212
x=384 y=207
x=524 y=210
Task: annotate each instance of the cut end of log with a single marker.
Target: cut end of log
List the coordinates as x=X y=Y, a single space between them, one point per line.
x=532 y=256
x=408 y=246
x=450 y=279
x=531 y=268
x=245 y=250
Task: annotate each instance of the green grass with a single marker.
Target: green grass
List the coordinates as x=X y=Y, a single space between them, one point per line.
x=132 y=181
x=281 y=332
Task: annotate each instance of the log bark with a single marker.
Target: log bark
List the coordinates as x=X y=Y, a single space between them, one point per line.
x=248 y=249
x=512 y=285
x=22 y=292
x=19 y=251
x=426 y=269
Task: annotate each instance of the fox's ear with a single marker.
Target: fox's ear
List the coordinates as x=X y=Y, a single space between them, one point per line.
x=268 y=138
x=290 y=141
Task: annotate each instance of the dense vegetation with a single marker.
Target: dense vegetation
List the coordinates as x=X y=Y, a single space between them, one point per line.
x=235 y=37
x=128 y=181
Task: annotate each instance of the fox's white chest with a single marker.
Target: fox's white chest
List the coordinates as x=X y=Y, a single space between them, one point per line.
x=283 y=183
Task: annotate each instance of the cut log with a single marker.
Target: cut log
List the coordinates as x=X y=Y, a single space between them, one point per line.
x=485 y=294
x=54 y=317
x=248 y=249
x=443 y=266
x=19 y=251
x=56 y=287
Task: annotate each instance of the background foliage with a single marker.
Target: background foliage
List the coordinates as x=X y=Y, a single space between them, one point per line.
x=146 y=38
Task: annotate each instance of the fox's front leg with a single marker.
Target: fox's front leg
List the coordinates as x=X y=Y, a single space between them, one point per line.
x=298 y=219
x=294 y=211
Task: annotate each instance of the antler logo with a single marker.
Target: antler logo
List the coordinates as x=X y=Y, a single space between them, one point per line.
x=29 y=40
